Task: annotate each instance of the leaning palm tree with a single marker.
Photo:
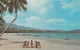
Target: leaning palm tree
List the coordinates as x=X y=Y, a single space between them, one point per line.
x=15 y=5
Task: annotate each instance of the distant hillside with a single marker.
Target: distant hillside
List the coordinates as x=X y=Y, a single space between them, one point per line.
x=34 y=30
x=62 y=31
x=74 y=31
x=20 y=27
x=25 y=28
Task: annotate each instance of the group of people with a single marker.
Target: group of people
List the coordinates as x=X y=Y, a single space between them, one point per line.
x=28 y=44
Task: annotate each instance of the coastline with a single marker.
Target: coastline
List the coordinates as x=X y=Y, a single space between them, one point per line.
x=14 y=41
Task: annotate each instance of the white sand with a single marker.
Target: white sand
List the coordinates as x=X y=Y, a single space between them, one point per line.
x=47 y=44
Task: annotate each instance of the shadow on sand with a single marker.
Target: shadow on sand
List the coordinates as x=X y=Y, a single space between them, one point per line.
x=3 y=39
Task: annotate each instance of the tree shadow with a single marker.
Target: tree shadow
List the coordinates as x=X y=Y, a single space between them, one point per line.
x=3 y=39
x=2 y=44
x=16 y=42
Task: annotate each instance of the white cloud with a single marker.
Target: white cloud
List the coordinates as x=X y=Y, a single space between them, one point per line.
x=68 y=5
x=8 y=18
x=19 y=24
x=75 y=24
x=37 y=3
x=74 y=5
x=41 y=23
x=34 y=19
x=18 y=20
x=40 y=6
x=38 y=22
x=21 y=14
x=43 y=11
x=51 y=5
x=55 y=20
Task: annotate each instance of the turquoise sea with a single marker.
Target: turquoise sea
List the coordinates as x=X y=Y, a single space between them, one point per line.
x=71 y=36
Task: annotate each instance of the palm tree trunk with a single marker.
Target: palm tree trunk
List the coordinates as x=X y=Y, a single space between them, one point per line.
x=9 y=25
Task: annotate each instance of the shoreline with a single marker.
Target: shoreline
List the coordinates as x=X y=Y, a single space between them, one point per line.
x=49 y=38
x=15 y=41
x=49 y=32
x=45 y=38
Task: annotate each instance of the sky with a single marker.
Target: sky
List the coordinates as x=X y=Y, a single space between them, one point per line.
x=48 y=14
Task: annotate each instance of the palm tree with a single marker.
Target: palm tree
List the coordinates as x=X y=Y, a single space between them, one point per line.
x=15 y=5
x=2 y=10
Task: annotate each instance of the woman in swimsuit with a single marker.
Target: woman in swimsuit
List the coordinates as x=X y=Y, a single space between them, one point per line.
x=25 y=44
x=32 y=44
x=28 y=45
x=39 y=45
x=36 y=44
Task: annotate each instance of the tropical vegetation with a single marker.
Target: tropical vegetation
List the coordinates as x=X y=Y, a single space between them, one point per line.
x=11 y=5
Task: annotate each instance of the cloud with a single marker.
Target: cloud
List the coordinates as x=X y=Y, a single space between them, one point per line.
x=68 y=5
x=45 y=9
x=40 y=6
x=8 y=18
x=74 y=5
x=38 y=3
x=19 y=24
x=42 y=23
x=21 y=14
x=34 y=19
x=51 y=5
x=54 y=20
x=75 y=24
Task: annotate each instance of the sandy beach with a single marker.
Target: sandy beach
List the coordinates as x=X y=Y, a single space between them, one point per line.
x=15 y=42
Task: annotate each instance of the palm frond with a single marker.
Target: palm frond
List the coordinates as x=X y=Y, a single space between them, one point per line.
x=23 y=6
x=2 y=21
x=2 y=8
x=17 y=5
x=23 y=1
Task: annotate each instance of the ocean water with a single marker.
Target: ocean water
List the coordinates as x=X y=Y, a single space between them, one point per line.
x=71 y=36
